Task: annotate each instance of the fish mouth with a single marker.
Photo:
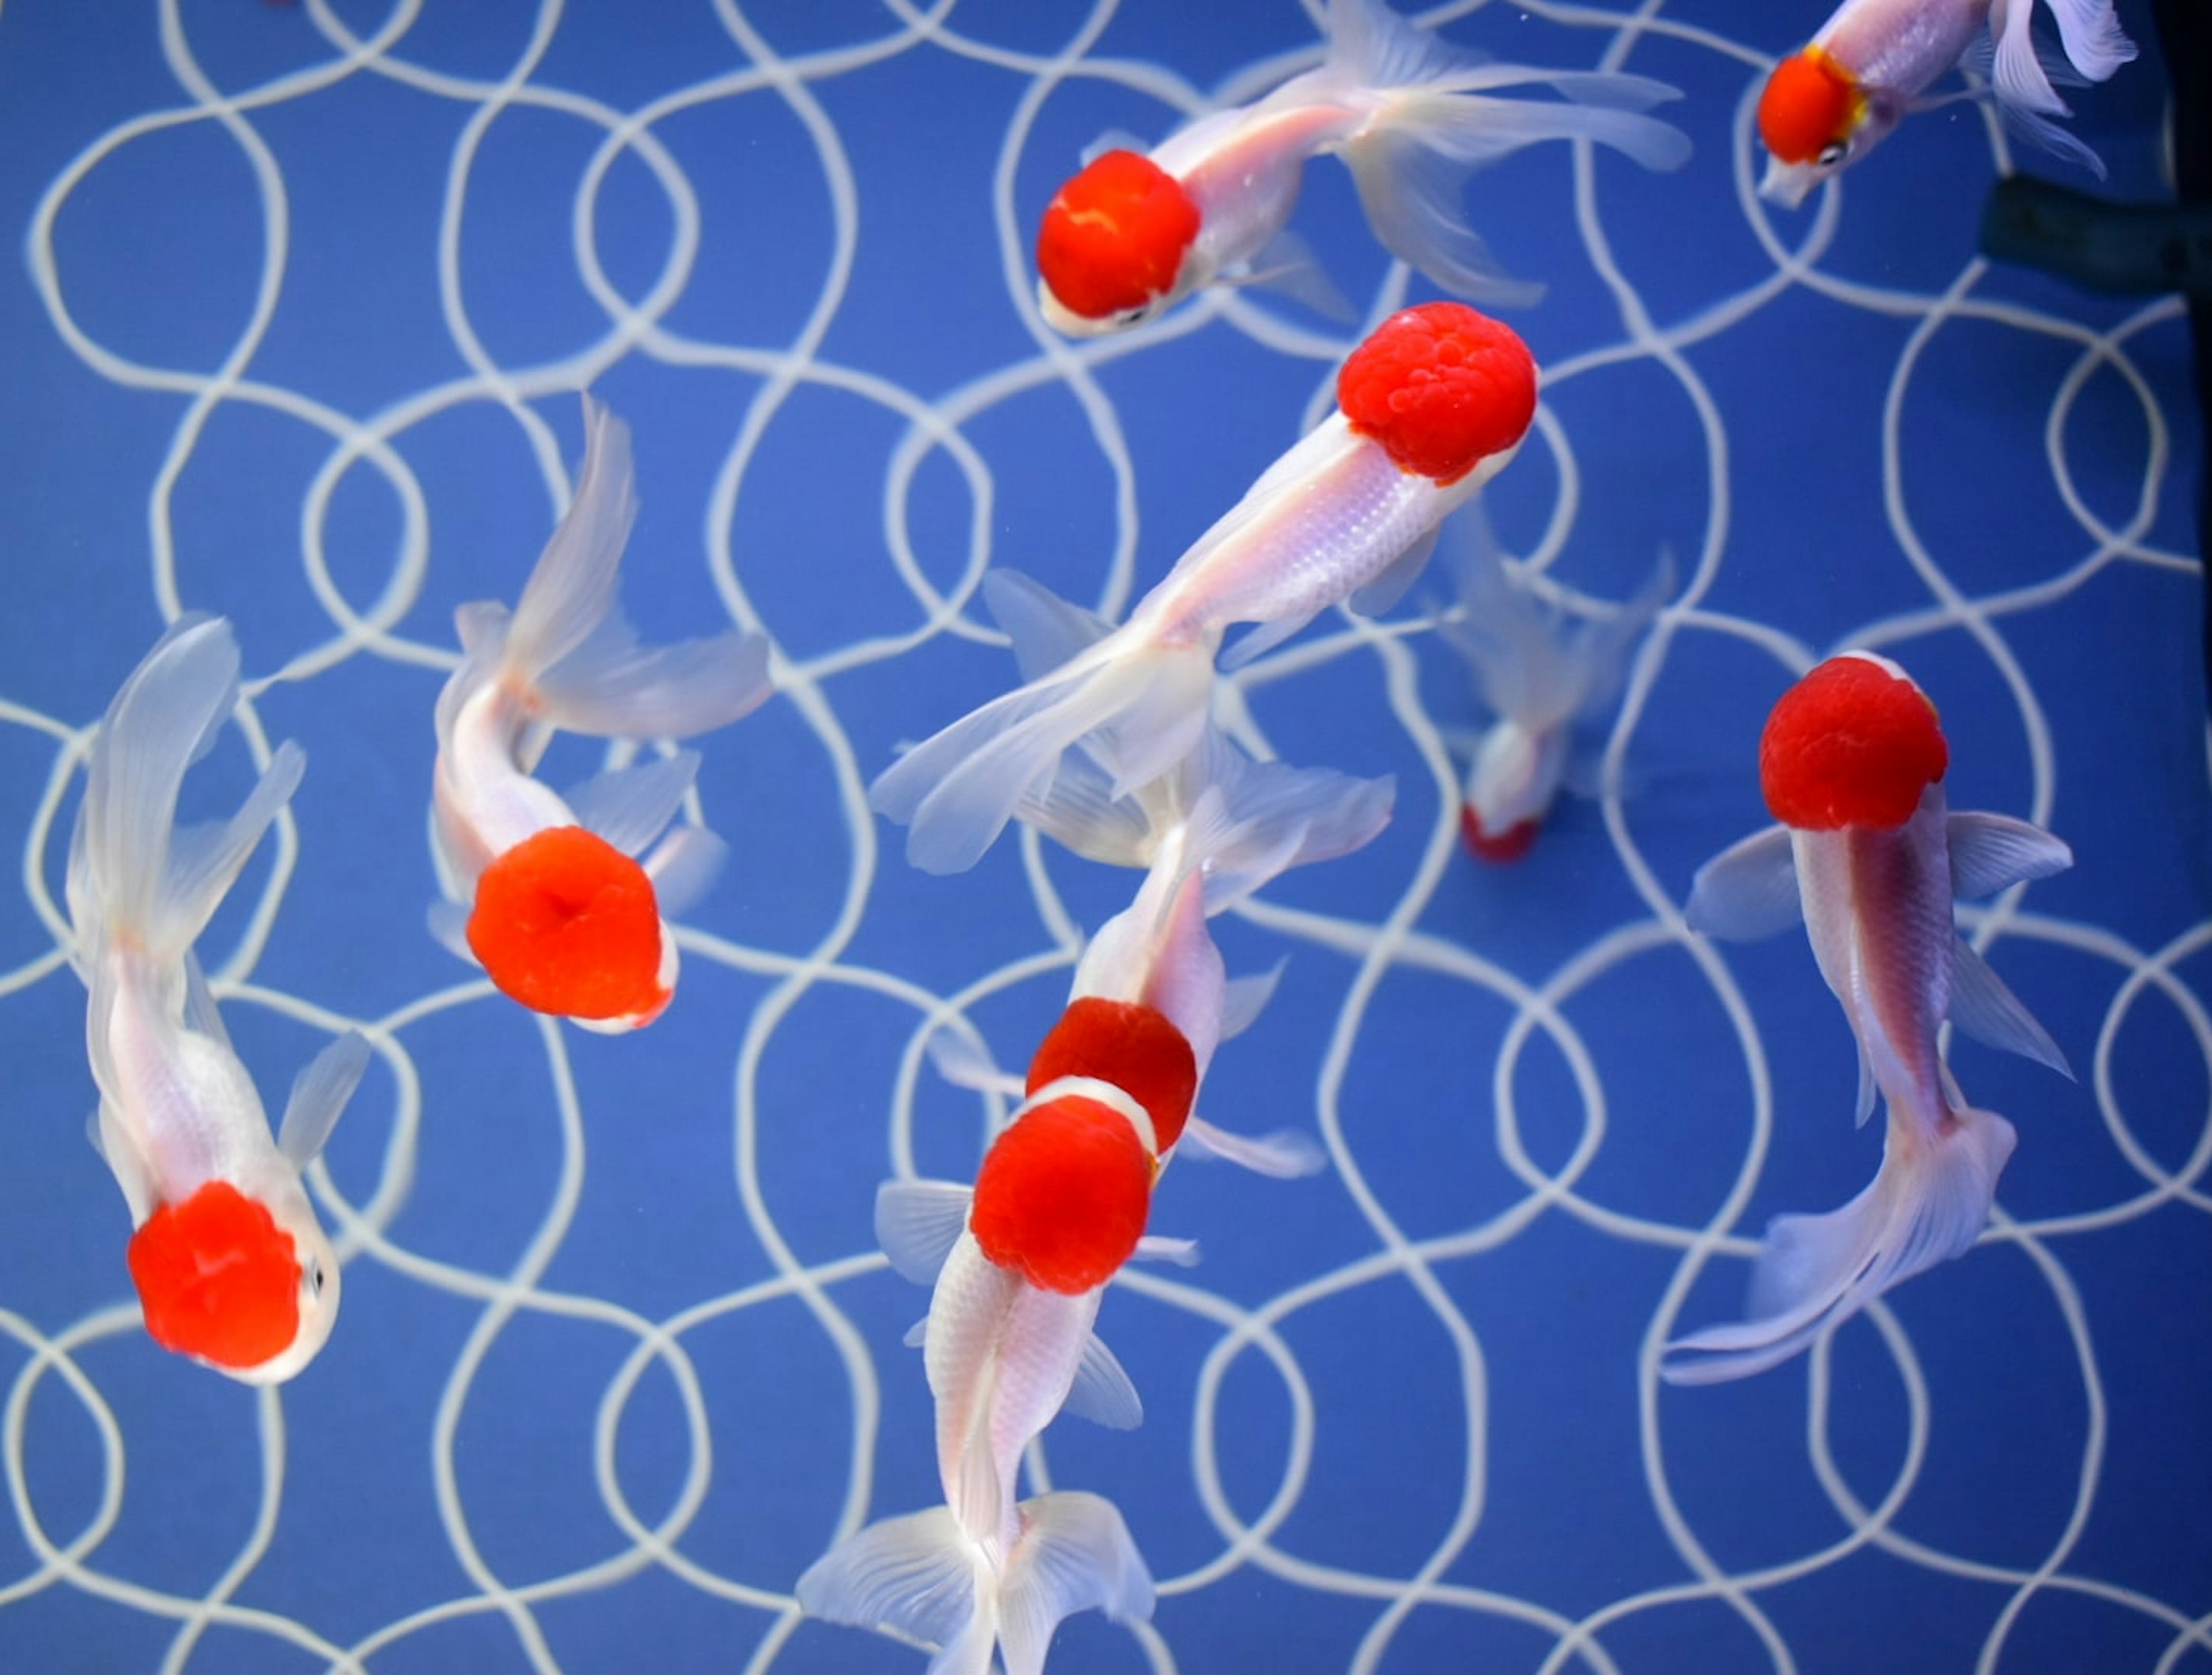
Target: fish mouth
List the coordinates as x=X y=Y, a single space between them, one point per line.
x=1788 y=183
x=1063 y=320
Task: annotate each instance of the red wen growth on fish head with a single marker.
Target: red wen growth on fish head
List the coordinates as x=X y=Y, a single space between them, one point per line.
x=1062 y=1195
x=1114 y=238
x=1854 y=744
x=566 y=922
x=1132 y=1046
x=217 y=1278
x=1499 y=848
x=1441 y=388
x=1811 y=103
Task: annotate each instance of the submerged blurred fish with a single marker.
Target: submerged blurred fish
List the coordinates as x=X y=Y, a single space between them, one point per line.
x=1825 y=107
x=231 y=1266
x=1132 y=235
x=1852 y=762
x=548 y=895
x=1431 y=407
x=1541 y=676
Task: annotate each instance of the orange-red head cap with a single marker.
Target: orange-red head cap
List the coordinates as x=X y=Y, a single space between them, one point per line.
x=1854 y=744
x=1811 y=102
x=1499 y=848
x=1132 y=1046
x=1062 y=1195
x=1114 y=236
x=217 y=1278
x=566 y=922
x=1441 y=388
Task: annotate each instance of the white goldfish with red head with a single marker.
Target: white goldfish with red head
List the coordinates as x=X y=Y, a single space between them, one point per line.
x=545 y=891
x=1852 y=763
x=1827 y=106
x=1431 y=407
x=1020 y=1264
x=1133 y=234
x=231 y=1266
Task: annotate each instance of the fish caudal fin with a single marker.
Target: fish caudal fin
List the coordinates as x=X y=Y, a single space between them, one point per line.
x=956 y=792
x=133 y=874
x=568 y=640
x=1439 y=124
x=920 y=1577
x=1927 y=1204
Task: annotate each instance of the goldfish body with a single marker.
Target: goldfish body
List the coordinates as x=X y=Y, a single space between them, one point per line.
x=548 y=894
x=231 y=1266
x=1431 y=407
x=1825 y=107
x=1132 y=235
x=1852 y=763
x=1540 y=678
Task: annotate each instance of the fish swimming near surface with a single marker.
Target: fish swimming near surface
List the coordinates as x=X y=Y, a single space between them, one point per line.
x=1851 y=763
x=1431 y=407
x=1134 y=233
x=231 y=1266
x=1019 y=1263
x=1826 y=107
x=1540 y=674
x=545 y=890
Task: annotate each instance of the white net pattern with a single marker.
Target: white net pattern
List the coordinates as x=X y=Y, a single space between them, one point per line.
x=310 y=287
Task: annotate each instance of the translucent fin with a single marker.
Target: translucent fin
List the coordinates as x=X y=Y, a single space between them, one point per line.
x=2095 y=43
x=1181 y=1252
x=448 y=923
x=319 y=1094
x=205 y=861
x=1285 y=1154
x=684 y=867
x=1257 y=642
x=631 y=807
x=2017 y=70
x=571 y=590
x=1396 y=581
x=1102 y=1392
x=201 y=1016
x=1410 y=163
x=1074 y=1553
x=2040 y=130
x=612 y=686
x=1080 y=811
x=1286 y=264
x=1747 y=891
x=132 y=873
x=918 y=1223
x=1046 y=631
x=1927 y=1204
x=1992 y=1014
x=914 y=1577
x=1994 y=852
x=917 y=1335
x=957 y=790
x=1863 y=1106
x=1246 y=997
x=1269 y=816
x=113 y=1141
x=967 y=1064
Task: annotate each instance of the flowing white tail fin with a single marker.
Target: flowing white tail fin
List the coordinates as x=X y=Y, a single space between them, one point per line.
x=567 y=638
x=957 y=791
x=133 y=875
x=920 y=1577
x=1437 y=124
x=1927 y=1204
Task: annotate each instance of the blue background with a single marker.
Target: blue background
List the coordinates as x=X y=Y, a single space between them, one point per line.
x=617 y=1359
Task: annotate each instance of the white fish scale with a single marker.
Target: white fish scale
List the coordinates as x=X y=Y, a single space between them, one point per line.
x=188 y=1104
x=1902 y=46
x=1000 y=1356
x=1327 y=519
x=486 y=804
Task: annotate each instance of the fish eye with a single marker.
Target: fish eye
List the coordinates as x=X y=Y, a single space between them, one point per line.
x=315 y=1278
x=1834 y=153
